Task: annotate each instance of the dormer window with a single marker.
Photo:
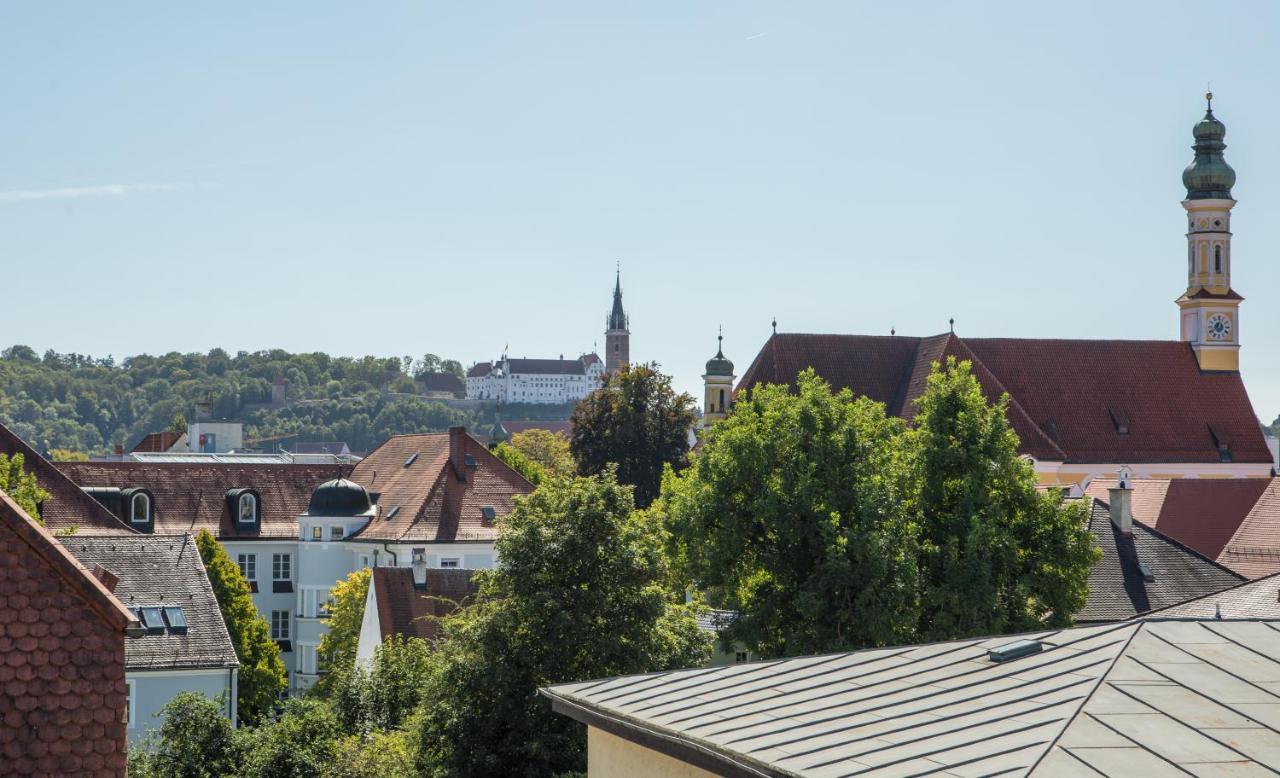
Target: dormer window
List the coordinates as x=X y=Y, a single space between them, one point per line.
x=140 y=508
x=1120 y=420
x=248 y=512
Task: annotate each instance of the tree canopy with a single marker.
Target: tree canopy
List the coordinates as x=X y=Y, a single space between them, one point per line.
x=830 y=526
x=579 y=595
x=262 y=673
x=337 y=649
x=637 y=422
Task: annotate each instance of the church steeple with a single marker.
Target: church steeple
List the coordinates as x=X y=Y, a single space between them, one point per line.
x=1210 y=307
x=717 y=383
x=617 y=336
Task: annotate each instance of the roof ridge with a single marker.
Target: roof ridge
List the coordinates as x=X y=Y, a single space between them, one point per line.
x=1158 y=535
x=1220 y=592
x=1013 y=401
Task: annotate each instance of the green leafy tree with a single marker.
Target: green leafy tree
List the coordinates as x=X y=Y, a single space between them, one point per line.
x=20 y=485
x=549 y=450
x=997 y=555
x=579 y=595
x=637 y=422
x=384 y=696
x=380 y=755
x=519 y=462
x=65 y=455
x=262 y=673
x=195 y=740
x=337 y=648
x=302 y=742
x=793 y=515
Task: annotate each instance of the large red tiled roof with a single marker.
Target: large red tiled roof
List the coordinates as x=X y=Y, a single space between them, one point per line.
x=415 y=611
x=1235 y=521
x=1069 y=398
x=416 y=480
x=192 y=497
x=62 y=638
x=67 y=505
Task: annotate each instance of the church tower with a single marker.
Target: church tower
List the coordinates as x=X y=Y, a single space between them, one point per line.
x=717 y=395
x=617 y=338
x=1210 y=307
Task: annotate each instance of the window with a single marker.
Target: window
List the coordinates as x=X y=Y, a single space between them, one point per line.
x=317 y=532
x=722 y=406
x=140 y=508
x=335 y=533
x=281 y=567
x=248 y=566
x=130 y=700
x=1217 y=259
x=152 y=620
x=488 y=512
x=739 y=657
x=279 y=625
x=450 y=561
x=176 y=620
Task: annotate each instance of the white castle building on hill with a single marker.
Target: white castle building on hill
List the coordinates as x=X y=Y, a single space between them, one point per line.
x=554 y=381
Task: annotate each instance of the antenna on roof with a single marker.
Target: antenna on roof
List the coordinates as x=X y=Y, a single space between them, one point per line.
x=952 y=322
x=775 y=325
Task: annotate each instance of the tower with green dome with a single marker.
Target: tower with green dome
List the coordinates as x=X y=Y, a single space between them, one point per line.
x=717 y=384
x=1210 y=307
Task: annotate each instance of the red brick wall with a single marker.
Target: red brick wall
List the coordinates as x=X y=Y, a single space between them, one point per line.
x=62 y=690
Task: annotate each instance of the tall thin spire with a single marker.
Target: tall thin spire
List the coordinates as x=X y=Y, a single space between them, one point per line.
x=617 y=316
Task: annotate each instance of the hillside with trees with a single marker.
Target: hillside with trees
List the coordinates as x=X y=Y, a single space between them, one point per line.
x=83 y=404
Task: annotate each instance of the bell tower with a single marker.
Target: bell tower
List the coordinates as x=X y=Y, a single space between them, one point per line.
x=717 y=383
x=1210 y=307
x=617 y=336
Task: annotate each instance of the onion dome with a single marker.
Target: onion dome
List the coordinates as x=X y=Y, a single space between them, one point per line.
x=1209 y=177
x=719 y=365
x=339 y=497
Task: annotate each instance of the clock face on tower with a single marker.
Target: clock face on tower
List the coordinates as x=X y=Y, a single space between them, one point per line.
x=1219 y=327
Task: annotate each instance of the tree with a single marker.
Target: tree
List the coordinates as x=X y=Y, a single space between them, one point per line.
x=637 y=422
x=792 y=515
x=262 y=674
x=178 y=423
x=195 y=740
x=515 y=459
x=380 y=755
x=579 y=595
x=302 y=741
x=997 y=555
x=21 y=486
x=548 y=449
x=382 y=697
x=337 y=650
x=66 y=455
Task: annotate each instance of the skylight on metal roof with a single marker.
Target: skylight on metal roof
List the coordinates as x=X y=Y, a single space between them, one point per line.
x=176 y=619
x=469 y=460
x=1015 y=650
x=488 y=512
x=152 y=620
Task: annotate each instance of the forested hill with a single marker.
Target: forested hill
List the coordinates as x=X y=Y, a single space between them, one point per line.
x=90 y=405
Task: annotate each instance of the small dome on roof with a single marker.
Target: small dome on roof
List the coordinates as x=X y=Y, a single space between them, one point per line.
x=339 y=497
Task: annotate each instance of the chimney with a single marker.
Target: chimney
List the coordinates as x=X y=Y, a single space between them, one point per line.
x=457 y=451
x=119 y=450
x=419 y=567
x=106 y=577
x=1121 y=497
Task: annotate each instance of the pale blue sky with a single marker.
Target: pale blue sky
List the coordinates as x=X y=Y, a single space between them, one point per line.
x=397 y=178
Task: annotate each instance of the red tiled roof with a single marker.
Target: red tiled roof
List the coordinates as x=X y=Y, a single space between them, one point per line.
x=1066 y=395
x=157 y=442
x=67 y=505
x=480 y=369
x=415 y=611
x=1235 y=521
x=564 y=428
x=431 y=504
x=62 y=689
x=192 y=497
x=442 y=382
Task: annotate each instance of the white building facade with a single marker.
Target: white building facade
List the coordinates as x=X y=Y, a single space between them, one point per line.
x=549 y=381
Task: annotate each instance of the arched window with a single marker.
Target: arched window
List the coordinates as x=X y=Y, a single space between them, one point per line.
x=1217 y=259
x=722 y=405
x=248 y=508
x=140 y=508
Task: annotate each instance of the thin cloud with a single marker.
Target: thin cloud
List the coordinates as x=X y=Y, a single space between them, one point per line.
x=79 y=192
x=757 y=35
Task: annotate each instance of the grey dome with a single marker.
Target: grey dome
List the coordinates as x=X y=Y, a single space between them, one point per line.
x=719 y=365
x=1209 y=177
x=339 y=497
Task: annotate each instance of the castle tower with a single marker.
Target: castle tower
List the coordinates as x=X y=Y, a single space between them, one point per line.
x=1210 y=307
x=617 y=337
x=717 y=383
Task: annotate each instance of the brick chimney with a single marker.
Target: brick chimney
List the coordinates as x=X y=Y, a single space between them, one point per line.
x=1121 y=497
x=457 y=451
x=106 y=577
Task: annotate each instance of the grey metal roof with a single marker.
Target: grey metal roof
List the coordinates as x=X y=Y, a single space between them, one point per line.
x=1258 y=599
x=163 y=570
x=1117 y=589
x=1148 y=697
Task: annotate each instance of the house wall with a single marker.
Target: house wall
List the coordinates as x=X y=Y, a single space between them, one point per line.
x=152 y=690
x=266 y=600
x=609 y=756
x=370 y=630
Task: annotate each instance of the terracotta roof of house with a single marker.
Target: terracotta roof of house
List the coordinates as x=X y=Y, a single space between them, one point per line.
x=157 y=442
x=1086 y=401
x=1235 y=521
x=68 y=506
x=564 y=428
x=1118 y=589
x=422 y=495
x=189 y=498
x=163 y=570
x=411 y=610
x=1148 y=697
x=62 y=642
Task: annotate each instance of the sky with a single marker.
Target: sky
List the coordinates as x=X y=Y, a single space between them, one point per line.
x=456 y=178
